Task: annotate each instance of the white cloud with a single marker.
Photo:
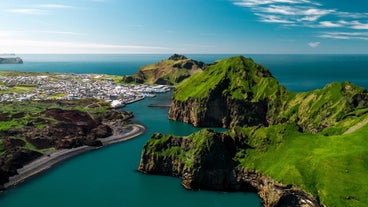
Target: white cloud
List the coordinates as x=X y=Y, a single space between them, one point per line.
x=274 y=19
x=54 y=6
x=41 y=9
x=358 y=25
x=329 y=24
x=100 y=1
x=353 y=15
x=314 y=44
x=28 y=11
x=25 y=33
x=306 y=13
x=251 y=3
x=345 y=35
x=286 y=11
x=36 y=46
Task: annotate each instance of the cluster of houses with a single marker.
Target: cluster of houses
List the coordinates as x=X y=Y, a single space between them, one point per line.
x=75 y=86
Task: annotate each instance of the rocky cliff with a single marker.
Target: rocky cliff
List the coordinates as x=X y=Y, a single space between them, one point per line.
x=166 y=72
x=300 y=138
x=239 y=92
x=16 y=60
x=208 y=160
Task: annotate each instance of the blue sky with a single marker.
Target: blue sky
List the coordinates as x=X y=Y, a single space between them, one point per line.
x=184 y=26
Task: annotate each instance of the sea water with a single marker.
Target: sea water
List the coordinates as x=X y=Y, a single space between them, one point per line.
x=108 y=177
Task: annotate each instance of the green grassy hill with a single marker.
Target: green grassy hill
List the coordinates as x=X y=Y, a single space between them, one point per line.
x=166 y=72
x=332 y=168
x=316 y=140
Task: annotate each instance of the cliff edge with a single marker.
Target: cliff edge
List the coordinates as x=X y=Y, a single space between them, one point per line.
x=313 y=142
x=208 y=160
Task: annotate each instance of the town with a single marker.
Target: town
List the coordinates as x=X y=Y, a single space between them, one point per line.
x=74 y=86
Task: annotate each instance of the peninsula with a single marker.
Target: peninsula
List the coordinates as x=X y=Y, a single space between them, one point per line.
x=35 y=135
x=11 y=60
x=293 y=149
x=46 y=118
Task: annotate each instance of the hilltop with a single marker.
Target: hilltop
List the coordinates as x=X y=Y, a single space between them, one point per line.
x=166 y=72
x=239 y=92
x=293 y=149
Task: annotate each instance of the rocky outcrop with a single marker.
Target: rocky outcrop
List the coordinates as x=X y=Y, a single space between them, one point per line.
x=238 y=92
x=227 y=94
x=16 y=60
x=207 y=160
x=166 y=72
x=219 y=111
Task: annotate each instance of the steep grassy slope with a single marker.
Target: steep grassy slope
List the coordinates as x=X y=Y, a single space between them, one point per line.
x=332 y=168
x=315 y=140
x=232 y=92
x=244 y=79
x=167 y=72
x=335 y=104
x=239 y=92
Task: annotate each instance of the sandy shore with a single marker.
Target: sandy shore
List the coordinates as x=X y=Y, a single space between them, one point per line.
x=45 y=162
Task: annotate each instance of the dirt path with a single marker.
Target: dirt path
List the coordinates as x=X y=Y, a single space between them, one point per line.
x=356 y=126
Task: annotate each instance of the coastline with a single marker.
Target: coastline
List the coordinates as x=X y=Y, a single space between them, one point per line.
x=48 y=160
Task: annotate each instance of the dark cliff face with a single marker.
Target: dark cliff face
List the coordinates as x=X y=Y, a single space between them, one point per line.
x=207 y=160
x=219 y=111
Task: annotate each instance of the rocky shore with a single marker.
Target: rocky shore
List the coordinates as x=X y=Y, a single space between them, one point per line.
x=273 y=132
x=34 y=135
x=207 y=160
x=121 y=133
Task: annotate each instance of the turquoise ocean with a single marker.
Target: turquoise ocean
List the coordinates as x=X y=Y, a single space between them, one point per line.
x=108 y=177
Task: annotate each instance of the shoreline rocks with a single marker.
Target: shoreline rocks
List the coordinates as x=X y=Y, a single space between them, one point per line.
x=207 y=161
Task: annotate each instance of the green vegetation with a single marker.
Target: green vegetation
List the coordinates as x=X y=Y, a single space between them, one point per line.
x=315 y=140
x=245 y=80
x=166 y=72
x=19 y=89
x=242 y=80
x=28 y=114
x=332 y=168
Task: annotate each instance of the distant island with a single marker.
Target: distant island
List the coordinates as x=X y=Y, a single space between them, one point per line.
x=11 y=60
x=293 y=149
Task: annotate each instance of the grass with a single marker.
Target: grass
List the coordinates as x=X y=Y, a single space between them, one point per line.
x=170 y=71
x=19 y=89
x=305 y=143
x=28 y=114
x=332 y=168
